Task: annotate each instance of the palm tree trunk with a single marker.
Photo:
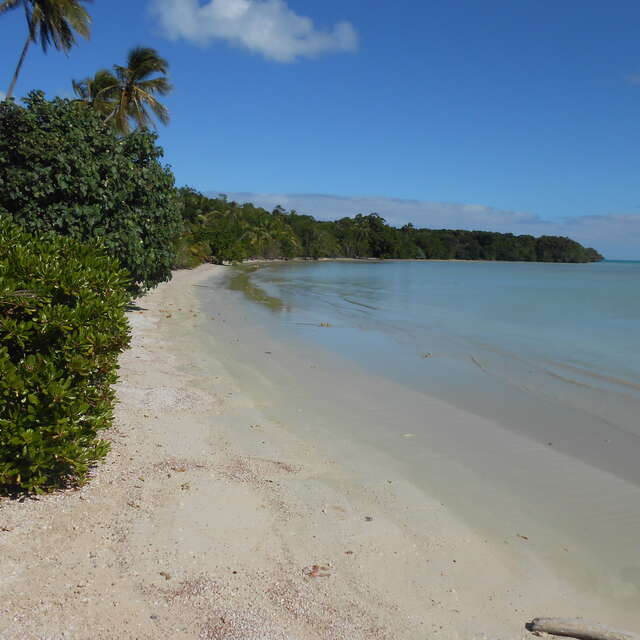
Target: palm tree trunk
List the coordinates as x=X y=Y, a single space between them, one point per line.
x=23 y=55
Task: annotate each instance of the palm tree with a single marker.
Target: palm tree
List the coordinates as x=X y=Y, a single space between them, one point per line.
x=135 y=89
x=127 y=95
x=51 y=22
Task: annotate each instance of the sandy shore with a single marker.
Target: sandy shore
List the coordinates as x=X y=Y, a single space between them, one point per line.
x=209 y=521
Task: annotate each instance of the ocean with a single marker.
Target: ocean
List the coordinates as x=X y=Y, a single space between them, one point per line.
x=464 y=331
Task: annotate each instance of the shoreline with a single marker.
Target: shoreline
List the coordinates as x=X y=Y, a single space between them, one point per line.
x=210 y=520
x=250 y=261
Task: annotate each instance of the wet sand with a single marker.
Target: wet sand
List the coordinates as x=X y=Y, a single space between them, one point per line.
x=234 y=507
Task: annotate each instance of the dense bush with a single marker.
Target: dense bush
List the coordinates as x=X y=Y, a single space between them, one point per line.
x=63 y=170
x=62 y=326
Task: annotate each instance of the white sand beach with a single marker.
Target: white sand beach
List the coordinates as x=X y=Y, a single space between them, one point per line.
x=211 y=520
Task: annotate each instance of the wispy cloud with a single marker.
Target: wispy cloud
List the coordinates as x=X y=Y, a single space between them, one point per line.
x=616 y=235
x=268 y=27
x=634 y=78
x=3 y=95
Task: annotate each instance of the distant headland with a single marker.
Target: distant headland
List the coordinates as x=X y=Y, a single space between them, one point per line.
x=220 y=230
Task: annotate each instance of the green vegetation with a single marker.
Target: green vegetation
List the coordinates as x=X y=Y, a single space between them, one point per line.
x=127 y=95
x=50 y=22
x=220 y=231
x=63 y=170
x=62 y=326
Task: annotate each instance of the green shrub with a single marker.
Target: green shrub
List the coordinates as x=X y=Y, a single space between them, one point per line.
x=63 y=170
x=62 y=326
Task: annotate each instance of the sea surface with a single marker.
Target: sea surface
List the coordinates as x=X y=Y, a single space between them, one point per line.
x=511 y=391
x=466 y=331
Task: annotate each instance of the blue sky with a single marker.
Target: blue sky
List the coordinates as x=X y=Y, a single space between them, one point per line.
x=514 y=116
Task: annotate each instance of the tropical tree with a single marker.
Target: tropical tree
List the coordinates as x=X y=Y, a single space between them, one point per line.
x=128 y=95
x=49 y=22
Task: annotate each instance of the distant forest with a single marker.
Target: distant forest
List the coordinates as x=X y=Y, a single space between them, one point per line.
x=218 y=230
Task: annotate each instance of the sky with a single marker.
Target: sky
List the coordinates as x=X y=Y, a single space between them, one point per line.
x=508 y=116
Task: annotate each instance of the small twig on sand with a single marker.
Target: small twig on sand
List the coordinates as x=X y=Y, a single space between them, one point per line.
x=577 y=628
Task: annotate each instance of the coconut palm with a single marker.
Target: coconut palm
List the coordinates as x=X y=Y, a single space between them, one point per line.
x=137 y=85
x=49 y=22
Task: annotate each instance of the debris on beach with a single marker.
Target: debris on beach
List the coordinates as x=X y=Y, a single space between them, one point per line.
x=316 y=571
x=576 y=628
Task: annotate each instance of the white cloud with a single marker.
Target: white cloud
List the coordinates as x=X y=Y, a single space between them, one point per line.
x=617 y=236
x=3 y=95
x=267 y=27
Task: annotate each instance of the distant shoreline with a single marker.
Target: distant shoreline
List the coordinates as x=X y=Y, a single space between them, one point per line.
x=418 y=260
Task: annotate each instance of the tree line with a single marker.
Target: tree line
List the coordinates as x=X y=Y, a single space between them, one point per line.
x=219 y=230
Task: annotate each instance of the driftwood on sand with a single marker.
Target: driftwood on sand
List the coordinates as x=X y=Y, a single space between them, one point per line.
x=577 y=628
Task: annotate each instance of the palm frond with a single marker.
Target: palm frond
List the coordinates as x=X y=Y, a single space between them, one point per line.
x=81 y=89
x=143 y=61
x=104 y=85
x=161 y=112
x=57 y=21
x=8 y=5
x=159 y=85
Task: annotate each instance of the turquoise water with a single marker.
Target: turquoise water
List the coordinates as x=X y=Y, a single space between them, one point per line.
x=469 y=332
x=586 y=316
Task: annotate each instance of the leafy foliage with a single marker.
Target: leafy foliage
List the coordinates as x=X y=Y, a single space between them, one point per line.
x=62 y=326
x=234 y=232
x=63 y=170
